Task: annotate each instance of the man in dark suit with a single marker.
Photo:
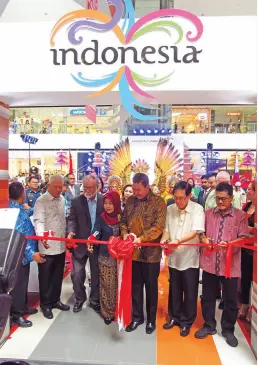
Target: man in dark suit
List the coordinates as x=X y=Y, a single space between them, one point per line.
x=84 y=210
x=204 y=190
x=74 y=190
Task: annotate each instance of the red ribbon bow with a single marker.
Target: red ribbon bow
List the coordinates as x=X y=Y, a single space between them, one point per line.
x=122 y=251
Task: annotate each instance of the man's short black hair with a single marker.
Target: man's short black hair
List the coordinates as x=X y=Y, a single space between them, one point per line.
x=33 y=177
x=204 y=177
x=183 y=185
x=225 y=187
x=141 y=178
x=16 y=190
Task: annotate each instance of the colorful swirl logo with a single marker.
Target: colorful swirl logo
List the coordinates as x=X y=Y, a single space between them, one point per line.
x=125 y=78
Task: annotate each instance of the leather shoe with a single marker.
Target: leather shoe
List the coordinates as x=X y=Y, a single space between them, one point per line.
x=21 y=322
x=150 y=327
x=47 y=313
x=184 y=331
x=170 y=324
x=30 y=311
x=230 y=339
x=77 y=307
x=108 y=321
x=133 y=325
x=221 y=305
x=61 y=306
x=95 y=307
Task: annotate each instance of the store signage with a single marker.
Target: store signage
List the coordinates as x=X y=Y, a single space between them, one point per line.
x=202 y=116
x=128 y=54
x=237 y=114
x=29 y=139
x=76 y=112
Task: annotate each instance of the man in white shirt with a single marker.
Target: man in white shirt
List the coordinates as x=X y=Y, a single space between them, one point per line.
x=49 y=215
x=185 y=219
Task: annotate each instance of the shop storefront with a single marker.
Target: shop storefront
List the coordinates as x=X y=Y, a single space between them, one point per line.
x=58 y=120
x=214 y=119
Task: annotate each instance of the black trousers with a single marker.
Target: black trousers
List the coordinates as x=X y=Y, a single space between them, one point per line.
x=208 y=301
x=145 y=274
x=78 y=277
x=246 y=275
x=51 y=275
x=19 y=293
x=183 y=295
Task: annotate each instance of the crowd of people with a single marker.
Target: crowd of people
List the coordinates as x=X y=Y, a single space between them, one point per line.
x=213 y=214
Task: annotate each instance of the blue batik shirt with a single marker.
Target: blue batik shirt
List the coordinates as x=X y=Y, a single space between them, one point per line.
x=25 y=227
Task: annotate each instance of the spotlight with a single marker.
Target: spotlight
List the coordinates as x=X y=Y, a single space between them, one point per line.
x=134 y=131
x=156 y=131
x=162 y=131
x=169 y=130
x=148 y=131
x=141 y=131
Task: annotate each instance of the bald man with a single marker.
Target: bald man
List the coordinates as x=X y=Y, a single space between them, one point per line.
x=222 y=176
x=49 y=215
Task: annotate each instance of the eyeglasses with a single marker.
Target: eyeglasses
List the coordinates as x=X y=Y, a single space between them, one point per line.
x=218 y=199
x=71 y=178
x=89 y=188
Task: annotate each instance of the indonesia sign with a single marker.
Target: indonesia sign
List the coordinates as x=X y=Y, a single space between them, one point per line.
x=89 y=55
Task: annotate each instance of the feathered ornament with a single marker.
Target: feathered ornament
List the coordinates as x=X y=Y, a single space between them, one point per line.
x=120 y=164
x=140 y=166
x=167 y=164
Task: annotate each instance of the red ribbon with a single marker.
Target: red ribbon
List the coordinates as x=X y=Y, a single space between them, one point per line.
x=244 y=243
x=122 y=251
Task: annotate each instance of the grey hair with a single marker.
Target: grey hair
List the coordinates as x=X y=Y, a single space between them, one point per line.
x=92 y=177
x=55 y=177
x=223 y=175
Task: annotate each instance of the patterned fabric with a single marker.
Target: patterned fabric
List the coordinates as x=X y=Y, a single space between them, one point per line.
x=25 y=227
x=232 y=225
x=31 y=197
x=146 y=219
x=108 y=289
x=109 y=260
x=49 y=215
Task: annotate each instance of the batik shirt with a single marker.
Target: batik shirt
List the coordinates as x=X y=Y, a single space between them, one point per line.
x=228 y=227
x=146 y=219
x=25 y=227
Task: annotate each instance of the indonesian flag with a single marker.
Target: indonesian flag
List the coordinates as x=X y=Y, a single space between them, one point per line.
x=236 y=177
x=70 y=163
x=91 y=113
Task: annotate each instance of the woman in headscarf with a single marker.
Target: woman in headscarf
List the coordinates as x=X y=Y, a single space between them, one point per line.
x=107 y=225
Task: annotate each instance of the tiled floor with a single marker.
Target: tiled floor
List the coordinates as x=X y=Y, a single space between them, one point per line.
x=84 y=338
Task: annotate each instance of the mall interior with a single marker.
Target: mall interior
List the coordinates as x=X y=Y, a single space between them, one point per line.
x=210 y=117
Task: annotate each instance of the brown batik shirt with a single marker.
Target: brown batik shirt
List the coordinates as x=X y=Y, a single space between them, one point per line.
x=146 y=219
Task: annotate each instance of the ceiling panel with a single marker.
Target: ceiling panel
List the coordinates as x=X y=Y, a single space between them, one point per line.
x=218 y=7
